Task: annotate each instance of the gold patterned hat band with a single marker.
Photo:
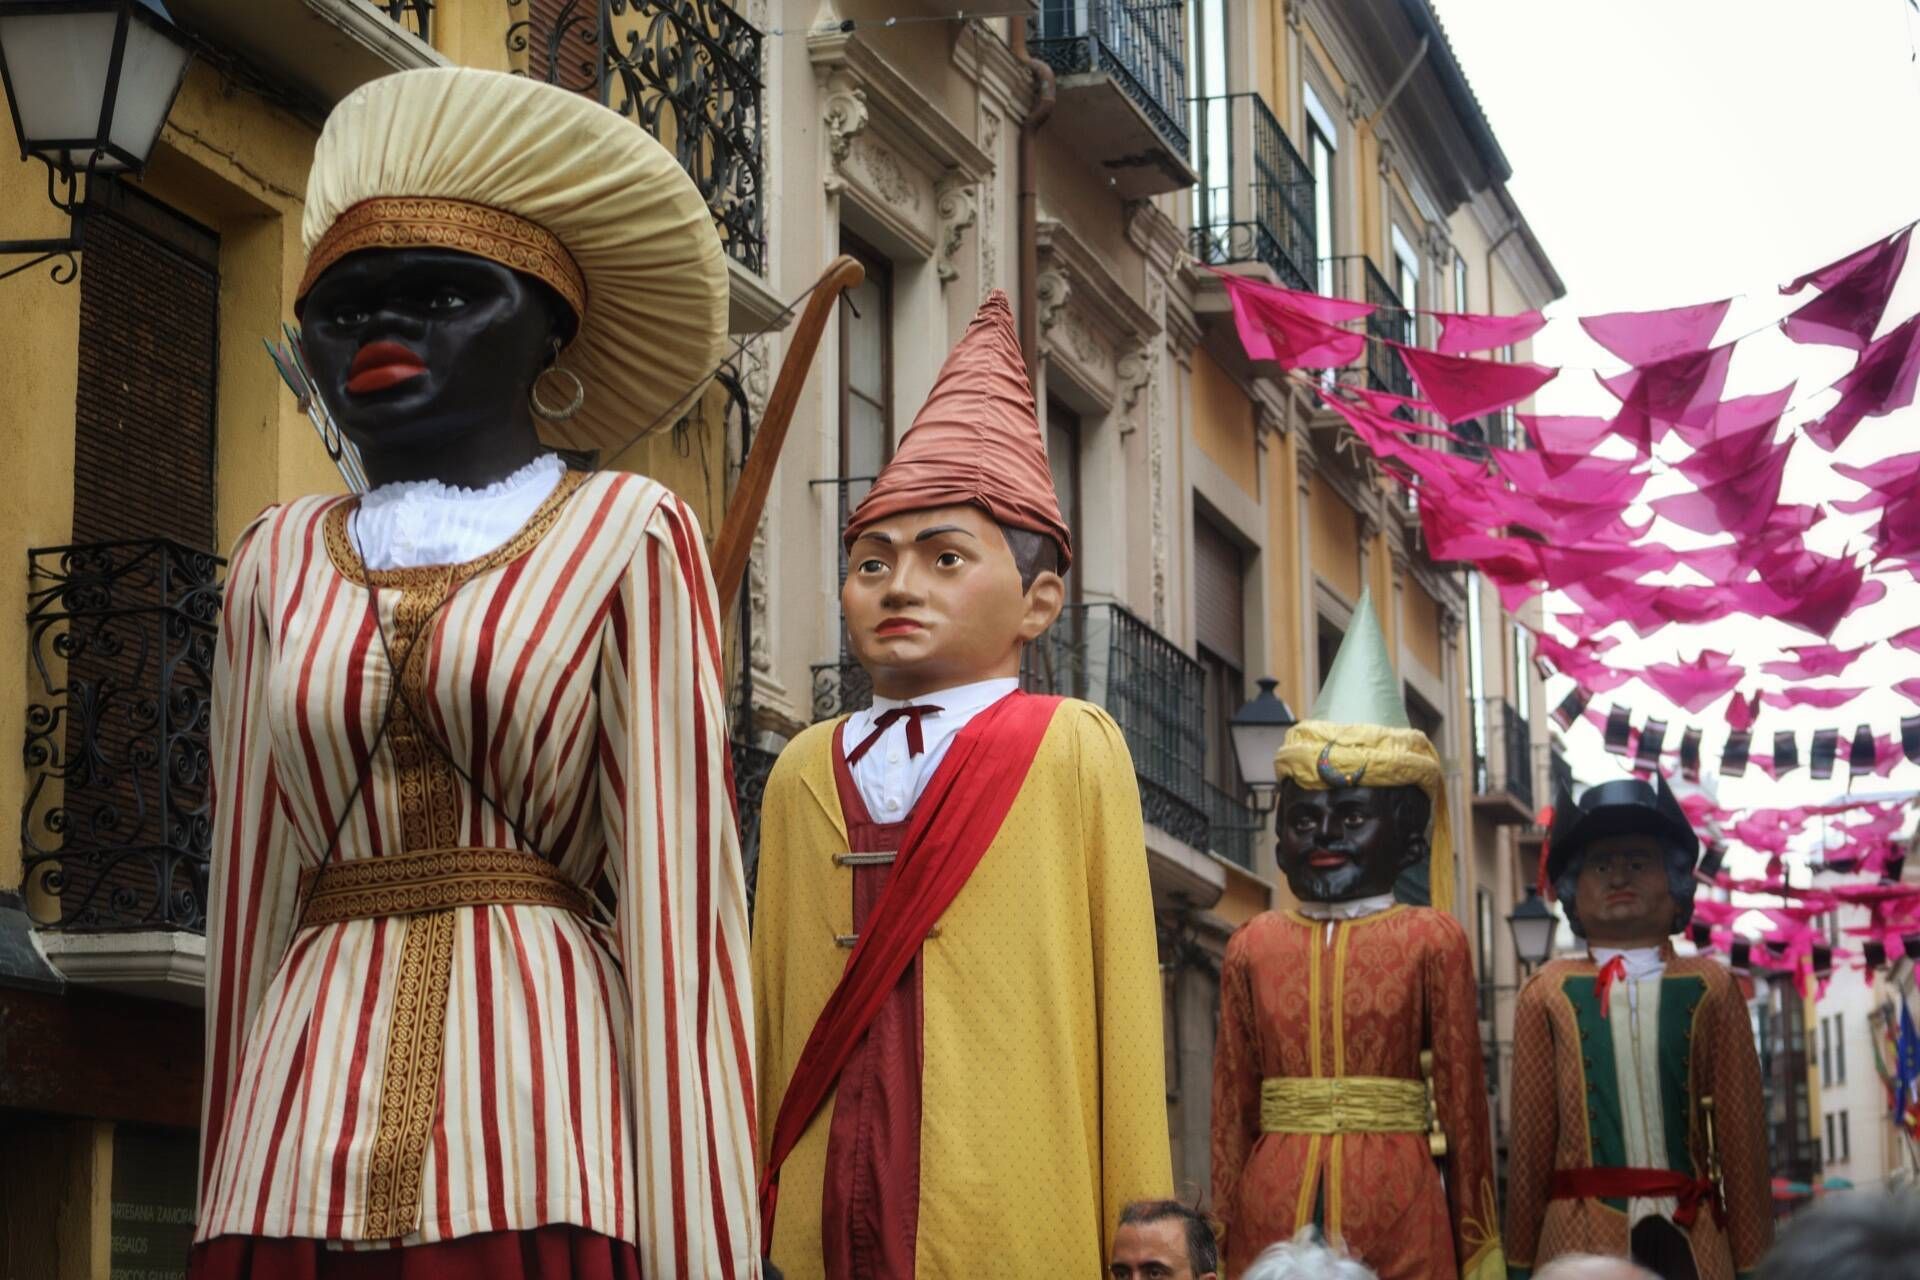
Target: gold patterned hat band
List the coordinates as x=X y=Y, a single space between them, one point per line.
x=419 y=222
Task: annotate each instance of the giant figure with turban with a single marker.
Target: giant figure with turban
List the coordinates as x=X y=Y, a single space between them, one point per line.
x=954 y=952
x=477 y=998
x=1348 y=1091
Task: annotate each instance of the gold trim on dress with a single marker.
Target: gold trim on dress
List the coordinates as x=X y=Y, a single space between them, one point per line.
x=440 y=578
x=465 y=226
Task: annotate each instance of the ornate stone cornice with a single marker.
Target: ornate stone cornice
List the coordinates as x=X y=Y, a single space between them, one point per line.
x=1154 y=234
x=957 y=203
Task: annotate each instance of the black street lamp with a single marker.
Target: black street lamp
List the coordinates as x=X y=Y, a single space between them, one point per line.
x=1259 y=728
x=88 y=83
x=1533 y=923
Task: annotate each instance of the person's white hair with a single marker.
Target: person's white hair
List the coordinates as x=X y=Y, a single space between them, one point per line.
x=1305 y=1258
x=1592 y=1266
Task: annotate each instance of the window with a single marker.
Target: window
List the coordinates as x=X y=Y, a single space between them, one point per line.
x=1219 y=616
x=1508 y=424
x=1421 y=714
x=1846 y=1139
x=1321 y=151
x=1522 y=672
x=1477 y=682
x=1406 y=283
x=1460 y=283
x=1063 y=457
x=866 y=373
x=1483 y=931
x=1833 y=1145
x=1839 y=1050
x=1326 y=646
x=1212 y=129
x=1826 y=1060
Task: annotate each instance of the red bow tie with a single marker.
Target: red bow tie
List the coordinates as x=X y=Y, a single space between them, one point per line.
x=1614 y=970
x=886 y=720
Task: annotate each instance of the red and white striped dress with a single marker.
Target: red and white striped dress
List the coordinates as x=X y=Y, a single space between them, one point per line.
x=589 y=1072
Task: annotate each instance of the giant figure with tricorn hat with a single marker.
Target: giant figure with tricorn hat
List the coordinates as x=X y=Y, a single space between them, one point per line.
x=477 y=956
x=1639 y=1127
x=954 y=949
x=1348 y=1089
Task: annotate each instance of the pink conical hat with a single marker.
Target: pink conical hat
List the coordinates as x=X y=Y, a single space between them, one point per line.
x=976 y=441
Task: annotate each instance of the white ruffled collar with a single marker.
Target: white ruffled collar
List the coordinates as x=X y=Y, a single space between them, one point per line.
x=545 y=469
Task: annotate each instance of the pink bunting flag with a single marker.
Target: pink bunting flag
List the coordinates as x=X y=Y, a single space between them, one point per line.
x=1648 y=337
x=1853 y=295
x=1882 y=380
x=1461 y=332
x=1563 y=433
x=1884 y=475
x=1682 y=391
x=1805 y=696
x=1897 y=535
x=1739 y=414
x=1725 y=456
x=1695 y=685
x=1291 y=329
x=1461 y=387
x=1740 y=503
x=1812 y=661
x=1740 y=711
x=1908 y=640
x=1909 y=689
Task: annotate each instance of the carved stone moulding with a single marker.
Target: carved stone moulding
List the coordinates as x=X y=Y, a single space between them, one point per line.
x=894 y=151
x=1089 y=322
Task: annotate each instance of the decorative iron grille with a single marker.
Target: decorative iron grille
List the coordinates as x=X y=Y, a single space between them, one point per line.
x=686 y=71
x=1137 y=42
x=409 y=15
x=751 y=767
x=117 y=825
x=1254 y=202
x=1355 y=276
x=1559 y=776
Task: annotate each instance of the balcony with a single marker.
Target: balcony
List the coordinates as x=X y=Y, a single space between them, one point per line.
x=1254 y=201
x=1104 y=654
x=413 y=16
x=1355 y=276
x=1122 y=88
x=1504 y=793
x=116 y=826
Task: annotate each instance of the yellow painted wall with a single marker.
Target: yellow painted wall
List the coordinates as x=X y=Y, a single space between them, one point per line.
x=1223 y=423
x=1336 y=539
x=1284 y=597
x=1246 y=895
x=1422 y=618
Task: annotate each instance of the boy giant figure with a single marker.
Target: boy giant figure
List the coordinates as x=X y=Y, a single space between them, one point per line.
x=958 y=995
x=1638 y=1121
x=1347 y=1078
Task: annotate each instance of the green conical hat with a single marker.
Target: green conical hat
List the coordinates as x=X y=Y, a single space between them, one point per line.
x=1362 y=687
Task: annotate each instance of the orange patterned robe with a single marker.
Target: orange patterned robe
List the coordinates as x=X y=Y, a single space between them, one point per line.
x=1360 y=998
x=1569 y=1080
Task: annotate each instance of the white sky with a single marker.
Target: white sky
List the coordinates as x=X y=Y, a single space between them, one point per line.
x=1670 y=152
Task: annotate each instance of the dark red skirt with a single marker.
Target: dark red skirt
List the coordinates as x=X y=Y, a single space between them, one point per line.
x=557 y=1252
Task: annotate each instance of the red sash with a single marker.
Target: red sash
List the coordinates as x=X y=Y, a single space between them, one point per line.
x=1624 y=1184
x=953 y=822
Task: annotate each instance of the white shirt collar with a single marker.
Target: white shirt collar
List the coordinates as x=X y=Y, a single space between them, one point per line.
x=959 y=699
x=1351 y=909
x=1640 y=962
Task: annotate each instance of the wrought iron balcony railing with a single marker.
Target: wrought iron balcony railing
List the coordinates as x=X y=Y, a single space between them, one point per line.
x=116 y=826
x=1354 y=276
x=1516 y=748
x=1254 y=201
x=1559 y=776
x=1232 y=827
x=686 y=71
x=1156 y=693
x=1137 y=42
x=409 y=15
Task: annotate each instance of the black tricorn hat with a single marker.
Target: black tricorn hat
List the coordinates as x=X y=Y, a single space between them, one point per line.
x=1625 y=806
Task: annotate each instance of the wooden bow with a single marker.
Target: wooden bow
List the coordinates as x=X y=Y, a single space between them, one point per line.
x=731 y=548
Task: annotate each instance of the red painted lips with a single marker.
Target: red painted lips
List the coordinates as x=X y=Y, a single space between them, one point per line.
x=380 y=365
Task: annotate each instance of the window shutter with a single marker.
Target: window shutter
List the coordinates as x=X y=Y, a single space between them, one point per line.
x=1219 y=592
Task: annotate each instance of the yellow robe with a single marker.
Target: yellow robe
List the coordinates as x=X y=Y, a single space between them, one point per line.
x=1044 y=1103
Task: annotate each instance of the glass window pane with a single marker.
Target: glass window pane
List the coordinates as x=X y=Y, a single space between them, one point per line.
x=866 y=340
x=866 y=442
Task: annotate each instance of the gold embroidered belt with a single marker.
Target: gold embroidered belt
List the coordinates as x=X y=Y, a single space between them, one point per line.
x=409 y=884
x=1342 y=1104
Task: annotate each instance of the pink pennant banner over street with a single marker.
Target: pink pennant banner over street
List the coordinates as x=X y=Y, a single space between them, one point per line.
x=1853 y=297
x=1649 y=337
x=1463 y=332
x=1460 y=387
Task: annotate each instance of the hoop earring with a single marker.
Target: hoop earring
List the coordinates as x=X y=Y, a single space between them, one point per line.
x=574 y=401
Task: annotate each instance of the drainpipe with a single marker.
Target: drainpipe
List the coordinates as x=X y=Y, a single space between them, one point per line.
x=1044 y=88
